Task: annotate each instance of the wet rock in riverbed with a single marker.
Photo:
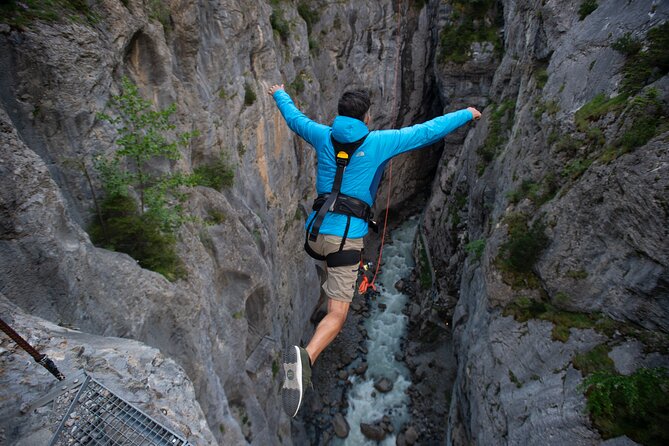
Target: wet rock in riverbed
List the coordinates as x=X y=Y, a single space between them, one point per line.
x=361 y=369
x=401 y=440
x=340 y=425
x=372 y=431
x=383 y=385
x=411 y=435
x=383 y=307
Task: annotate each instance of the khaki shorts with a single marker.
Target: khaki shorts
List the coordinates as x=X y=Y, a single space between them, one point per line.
x=340 y=280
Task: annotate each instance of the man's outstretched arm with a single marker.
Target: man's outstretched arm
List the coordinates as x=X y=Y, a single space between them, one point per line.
x=420 y=135
x=297 y=121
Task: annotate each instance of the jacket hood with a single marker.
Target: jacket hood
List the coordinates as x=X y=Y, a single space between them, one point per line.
x=346 y=129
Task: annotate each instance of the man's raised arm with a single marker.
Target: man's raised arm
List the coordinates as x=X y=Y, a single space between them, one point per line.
x=297 y=121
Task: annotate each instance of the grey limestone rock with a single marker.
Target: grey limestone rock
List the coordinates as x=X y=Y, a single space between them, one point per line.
x=135 y=372
x=607 y=253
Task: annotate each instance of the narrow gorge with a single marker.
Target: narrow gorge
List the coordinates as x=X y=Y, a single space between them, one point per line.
x=542 y=260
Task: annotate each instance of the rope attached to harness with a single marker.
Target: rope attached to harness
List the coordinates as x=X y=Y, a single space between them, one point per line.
x=367 y=284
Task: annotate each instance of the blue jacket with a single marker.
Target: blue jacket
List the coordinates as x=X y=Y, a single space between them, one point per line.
x=365 y=168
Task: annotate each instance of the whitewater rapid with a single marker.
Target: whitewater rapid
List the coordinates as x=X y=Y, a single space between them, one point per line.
x=385 y=329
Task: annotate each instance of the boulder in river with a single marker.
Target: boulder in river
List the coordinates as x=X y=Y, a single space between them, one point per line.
x=372 y=431
x=383 y=385
x=340 y=425
x=361 y=369
x=411 y=436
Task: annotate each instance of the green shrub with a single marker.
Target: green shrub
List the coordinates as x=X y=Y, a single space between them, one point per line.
x=476 y=247
x=595 y=136
x=336 y=23
x=139 y=235
x=27 y=12
x=523 y=309
x=470 y=24
x=649 y=119
x=542 y=77
x=279 y=23
x=568 y=145
x=538 y=193
x=309 y=15
x=577 y=274
x=159 y=10
x=636 y=405
x=458 y=203
x=216 y=175
x=249 y=94
x=501 y=121
x=640 y=132
x=596 y=108
x=551 y=107
x=576 y=168
x=418 y=4
x=552 y=138
x=528 y=189
x=215 y=217
x=645 y=66
x=144 y=230
x=297 y=86
x=586 y=8
x=627 y=45
x=525 y=244
x=595 y=360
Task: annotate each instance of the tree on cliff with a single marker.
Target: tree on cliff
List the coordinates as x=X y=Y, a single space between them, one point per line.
x=142 y=207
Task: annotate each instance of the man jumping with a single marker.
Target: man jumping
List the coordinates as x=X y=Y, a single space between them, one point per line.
x=350 y=164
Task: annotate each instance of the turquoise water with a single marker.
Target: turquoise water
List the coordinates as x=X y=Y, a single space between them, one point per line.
x=385 y=329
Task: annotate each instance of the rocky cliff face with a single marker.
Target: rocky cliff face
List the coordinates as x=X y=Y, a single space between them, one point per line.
x=542 y=158
x=140 y=375
x=597 y=195
x=247 y=279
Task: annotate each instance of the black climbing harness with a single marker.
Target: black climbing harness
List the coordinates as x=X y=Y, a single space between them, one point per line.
x=338 y=203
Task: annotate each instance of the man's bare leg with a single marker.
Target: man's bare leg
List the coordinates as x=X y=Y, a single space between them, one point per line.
x=328 y=328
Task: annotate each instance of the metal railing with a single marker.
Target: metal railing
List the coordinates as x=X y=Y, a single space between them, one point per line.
x=97 y=417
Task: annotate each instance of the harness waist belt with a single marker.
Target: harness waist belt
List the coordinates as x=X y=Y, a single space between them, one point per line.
x=345 y=205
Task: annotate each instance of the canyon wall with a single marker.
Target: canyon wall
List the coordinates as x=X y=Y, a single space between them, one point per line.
x=551 y=172
x=248 y=287
x=554 y=163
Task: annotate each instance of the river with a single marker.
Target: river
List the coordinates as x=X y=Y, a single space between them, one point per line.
x=386 y=328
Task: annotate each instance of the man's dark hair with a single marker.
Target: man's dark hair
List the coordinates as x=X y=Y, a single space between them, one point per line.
x=354 y=104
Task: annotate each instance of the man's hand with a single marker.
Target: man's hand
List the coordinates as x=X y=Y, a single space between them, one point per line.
x=475 y=112
x=274 y=88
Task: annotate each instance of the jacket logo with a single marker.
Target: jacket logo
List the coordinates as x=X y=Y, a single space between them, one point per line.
x=360 y=153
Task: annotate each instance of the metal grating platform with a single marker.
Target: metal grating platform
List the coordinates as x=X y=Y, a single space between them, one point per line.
x=97 y=416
